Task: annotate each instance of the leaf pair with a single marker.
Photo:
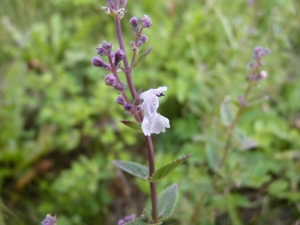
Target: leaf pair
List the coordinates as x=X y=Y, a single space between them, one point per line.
x=142 y=171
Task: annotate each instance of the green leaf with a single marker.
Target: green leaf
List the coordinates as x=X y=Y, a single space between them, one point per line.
x=133 y=125
x=142 y=57
x=167 y=169
x=227 y=112
x=166 y=201
x=133 y=168
x=213 y=158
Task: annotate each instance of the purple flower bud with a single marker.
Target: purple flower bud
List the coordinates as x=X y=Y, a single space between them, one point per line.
x=107 y=46
x=110 y=4
x=128 y=107
x=120 y=87
x=120 y=100
x=119 y=55
x=142 y=40
x=49 y=220
x=123 y=3
x=110 y=80
x=134 y=22
x=132 y=44
x=97 y=61
x=260 y=52
x=101 y=51
x=146 y=21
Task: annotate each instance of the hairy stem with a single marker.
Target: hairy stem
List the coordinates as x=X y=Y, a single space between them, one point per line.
x=150 y=149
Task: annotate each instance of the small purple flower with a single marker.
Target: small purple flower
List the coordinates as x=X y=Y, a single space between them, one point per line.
x=120 y=100
x=146 y=21
x=142 y=40
x=49 y=220
x=126 y=219
x=119 y=55
x=134 y=22
x=110 y=80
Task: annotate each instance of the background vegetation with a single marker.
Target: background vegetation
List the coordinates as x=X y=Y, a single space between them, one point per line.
x=59 y=129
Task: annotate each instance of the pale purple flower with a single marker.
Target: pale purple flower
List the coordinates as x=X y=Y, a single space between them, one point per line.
x=49 y=220
x=153 y=122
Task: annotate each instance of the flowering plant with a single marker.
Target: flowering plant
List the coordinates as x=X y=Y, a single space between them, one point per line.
x=143 y=106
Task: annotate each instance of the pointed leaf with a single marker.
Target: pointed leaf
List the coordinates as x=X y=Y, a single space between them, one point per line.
x=142 y=57
x=166 y=201
x=227 y=112
x=213 y=158
x=133 y=125
x=167 y=169
x=133 y=168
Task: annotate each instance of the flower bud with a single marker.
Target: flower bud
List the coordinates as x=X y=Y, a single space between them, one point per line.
x=142 y=40
x=120 y=86
x=134 y=22
x=128 y=106
x=110 y=4
x=101 y=51
x=123 y=3
x=110 y=80
x=119 y=55
x=97 y=61
x=120 y=100
x=107 y=46
x=146 y=21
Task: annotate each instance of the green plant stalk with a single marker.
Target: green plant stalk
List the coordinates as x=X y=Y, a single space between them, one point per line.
x=233 y=125
x=150 y=149
x=239 y=113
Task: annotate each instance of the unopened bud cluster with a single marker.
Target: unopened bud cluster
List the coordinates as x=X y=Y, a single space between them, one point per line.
x=114 y=59
x=138 y=26
x=127 y=106
x=258 y=53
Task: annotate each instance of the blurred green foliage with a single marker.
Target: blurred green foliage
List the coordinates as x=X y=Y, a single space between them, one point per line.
x=59 y=129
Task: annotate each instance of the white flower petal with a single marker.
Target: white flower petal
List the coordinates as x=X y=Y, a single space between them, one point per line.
x=150 y=105
x=155 y=124
x=152 y=92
